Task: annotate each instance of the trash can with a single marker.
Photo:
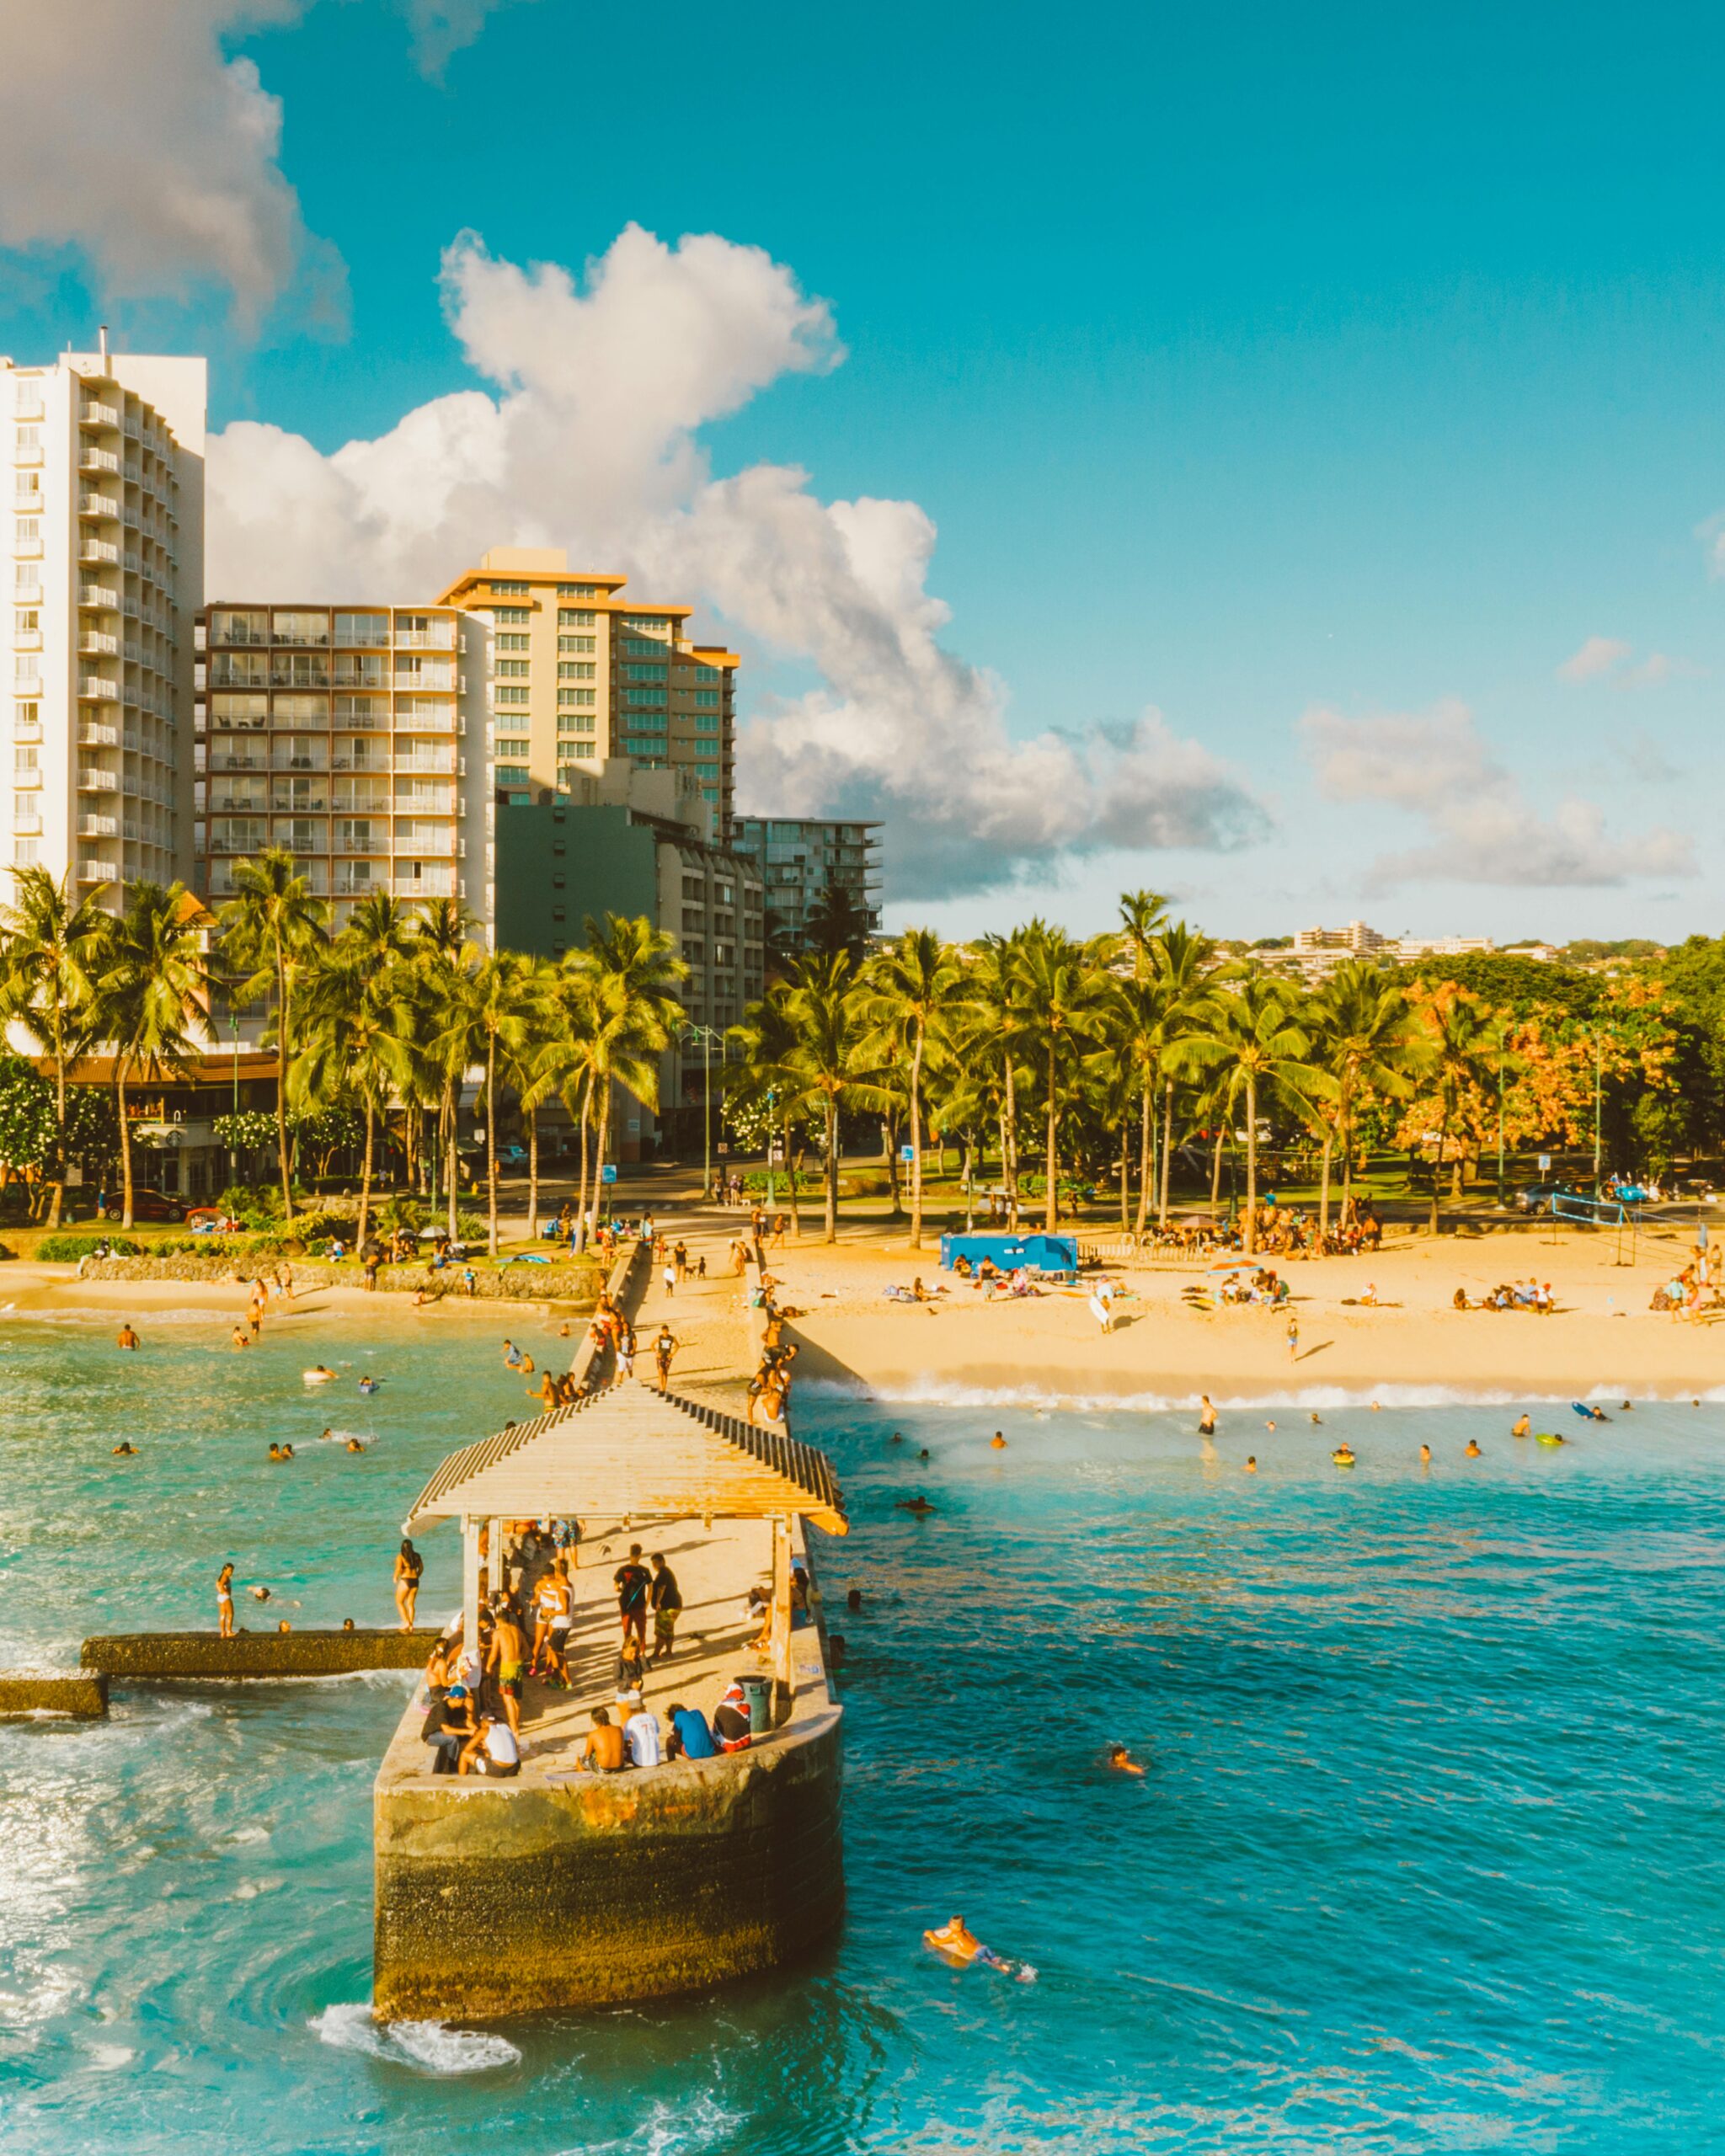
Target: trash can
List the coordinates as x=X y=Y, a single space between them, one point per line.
x=757 y=1694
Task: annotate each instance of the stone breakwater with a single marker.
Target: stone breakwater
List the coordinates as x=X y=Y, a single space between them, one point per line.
x=168 y=1656
x=520 y=1284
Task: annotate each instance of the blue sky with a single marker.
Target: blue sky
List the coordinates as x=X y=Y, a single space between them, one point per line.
x=1323 y=381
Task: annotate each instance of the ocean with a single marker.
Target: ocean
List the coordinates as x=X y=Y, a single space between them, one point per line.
x=1425 y=1857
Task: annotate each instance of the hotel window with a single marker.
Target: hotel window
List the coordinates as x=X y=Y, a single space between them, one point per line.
x=515 y=670
x=584 y=749
x=576 y=617
x=568 y=698
x=576 y=643
x=27 y=715
x=28 y=537
x=228 y=625
x=574 y=721
x=643 y=673
x=576 y=669
x=511 y=748
x=707 y=721
x=362 y=628
x=643 y=696
x=644 y=621
x=643 y=648
x=23 y=762
x=511 y=775
x=509 y=695
x=578 y=591
x=26 y=853
x=514 y=642
x=707 y=770
x=509 y=591
x=28 y=438
x=512 y=617
x=28 y=622
x=300 y=628
x=707 y=696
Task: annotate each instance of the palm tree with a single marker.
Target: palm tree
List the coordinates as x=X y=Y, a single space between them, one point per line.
x=1462 y=1049
x=1253 y=1045
x=272 y=930
x=49 y=943
x=993 y=1035
x=765 y=1078
x=820 y=1065
x=444 y=953
x=489 y=1024
x=835 y=925
x=354 y=1040
x=1367 y=1037
x=1183 y=959
x=639 y=973
x=533 y=1075
x=570 y=1049
x=1064 y=995
x=151 y=977
x=382 y=934
x=905 y=991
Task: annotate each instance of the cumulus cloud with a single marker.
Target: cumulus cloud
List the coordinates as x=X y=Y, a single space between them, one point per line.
x=589 y=439
x=1479 y=826
x=126 y=131
x=1597 y=655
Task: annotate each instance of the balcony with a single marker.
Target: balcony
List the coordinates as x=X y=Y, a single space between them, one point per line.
x=434 y=883
x=314 y=802
x=90 y=735
x=92 y=781
x=98 y=872
x=91 y=644
x=349 y=803
x=98 y=415
x=28 y=453
x=100 y=550
x=28 y=500
x=96 y=827
x=363 y=756
x=347 y=885
x=97 y=595
x=97 y=460
x=440 y=639
x=236 y=805
x=425 y=676
x=434 y=845
x=99 y=689
x=442 y=761
x=98 y=505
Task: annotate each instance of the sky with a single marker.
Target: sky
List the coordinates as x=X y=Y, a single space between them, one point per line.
x=1274 y=458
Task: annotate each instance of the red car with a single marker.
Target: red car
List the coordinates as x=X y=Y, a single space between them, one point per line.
x=156 y=1206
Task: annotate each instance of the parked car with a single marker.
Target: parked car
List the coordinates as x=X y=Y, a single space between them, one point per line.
x=156 y=1205
x=1536 y=1197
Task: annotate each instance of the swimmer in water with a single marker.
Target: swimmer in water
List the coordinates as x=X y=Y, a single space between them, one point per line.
x=1375 y=1409
x=124 y=1450
x=956 y=1938
x=923 y=1455
x=1251 y=1466
x=1206 y=1417
x=896 y=1438
x=1269 y=1426
x=353 y=1444
x=125 y=1337
x=1626 y=1407
x=319 y=1373
x=1317 y=1422
x=329 y=1433
x=1425 y=1455
x=1522 y=1426
x=287 y=1452
x=1122 y=1762
x=1473 y=1450
x=1342 y=1456
x=997 y=1443
x=276 y=1452
x=239 y=1337
x=370 y=1385
x=257 y=1594
x=917 y=1505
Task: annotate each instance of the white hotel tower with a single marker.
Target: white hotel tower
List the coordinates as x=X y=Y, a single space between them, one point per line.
x=106 y=538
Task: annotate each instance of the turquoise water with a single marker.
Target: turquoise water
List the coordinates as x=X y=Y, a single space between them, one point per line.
x=1427 y=1857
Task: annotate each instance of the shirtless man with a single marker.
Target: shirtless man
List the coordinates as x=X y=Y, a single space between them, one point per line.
x=239 y=1336
x=125 y=1337
x=664 y=1347
x=546 y=1392
x=505 y=1656
x=1522 y=1426
x=1206 y=1417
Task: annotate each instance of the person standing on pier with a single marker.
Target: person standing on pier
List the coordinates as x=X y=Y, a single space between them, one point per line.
x=224 y=1601
x=667 y=1600
x=664 y=1347
x=632 y=1582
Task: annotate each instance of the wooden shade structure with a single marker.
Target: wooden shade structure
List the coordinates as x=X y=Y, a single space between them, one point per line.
x=630 y=1453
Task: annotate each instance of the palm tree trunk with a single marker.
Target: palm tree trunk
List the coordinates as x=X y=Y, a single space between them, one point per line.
x=1009 y=1149
x=1437 y=1168
x=533 y=1174
x=491 y=1141
x=125 y=1144
x=1345 y=1128
x=892 y=1165
x=792 y=1163
x=1216 y=1178
x=365 y=1179
x=452 y=1158
x=1168 y=1150
x=581 y=1207
x=601 y=1143
x=1323 y=1203
x=58 y=1198
x=1250 y=1165
x=1050 y=1209
x=281 y=1084
x=1126 y=1183
x=832 y=1169
x=916 y=1144
x=1145 y=1172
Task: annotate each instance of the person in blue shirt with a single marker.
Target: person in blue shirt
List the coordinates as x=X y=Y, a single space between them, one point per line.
x=689 y=1737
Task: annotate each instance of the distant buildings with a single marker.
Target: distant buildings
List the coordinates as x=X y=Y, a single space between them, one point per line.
x=583 y=676
x=107 y=544
x=1318 y=952
x=799 y=857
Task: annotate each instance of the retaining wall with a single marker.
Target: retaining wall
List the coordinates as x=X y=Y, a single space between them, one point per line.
x=518 y=1284
x=499 y=1898
x=175 y=1654
x=80 y=1692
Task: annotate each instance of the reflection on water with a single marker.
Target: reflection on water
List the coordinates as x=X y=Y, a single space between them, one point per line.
x=1426 y=1857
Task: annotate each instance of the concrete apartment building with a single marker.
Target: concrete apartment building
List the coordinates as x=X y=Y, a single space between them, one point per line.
x=107 y=543
x=355 y=737
x=797 y=857
x=583 y=675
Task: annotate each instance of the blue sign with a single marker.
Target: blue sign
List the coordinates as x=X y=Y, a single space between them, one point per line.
x=608 y=1172
x=907 y=1152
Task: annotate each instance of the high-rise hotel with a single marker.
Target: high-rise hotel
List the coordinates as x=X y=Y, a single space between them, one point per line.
x=107 y=545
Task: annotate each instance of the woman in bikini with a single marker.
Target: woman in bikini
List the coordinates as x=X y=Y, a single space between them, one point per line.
x=224 y=1601
x=409 y=1570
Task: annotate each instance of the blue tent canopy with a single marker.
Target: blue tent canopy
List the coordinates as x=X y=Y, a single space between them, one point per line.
x=1012 y=1253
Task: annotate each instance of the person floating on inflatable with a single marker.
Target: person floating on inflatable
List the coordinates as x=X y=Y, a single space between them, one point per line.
x=955 y=1942
x=1343 y=1456
x=1589 y=1414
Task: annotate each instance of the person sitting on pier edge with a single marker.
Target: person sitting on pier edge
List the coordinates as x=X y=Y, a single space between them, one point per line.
x=631 y=1668
x=688 y=1736
x=730 y=1719
x=447 y=1727
x=641 y=1734
x=604 y=1752
x=491 y=1751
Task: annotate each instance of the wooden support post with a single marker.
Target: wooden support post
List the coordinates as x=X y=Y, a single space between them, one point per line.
x=781 y=1615
x=470 y=1583
x=497 y=1578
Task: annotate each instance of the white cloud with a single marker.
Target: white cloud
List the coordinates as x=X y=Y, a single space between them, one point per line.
x=443 y=27
x=125 y=131
x=1480 y=826
x=1597 y=655
x=591 y=442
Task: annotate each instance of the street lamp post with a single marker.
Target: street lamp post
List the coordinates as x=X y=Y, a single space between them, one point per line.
x=1500 y=1118
x=706 y=1037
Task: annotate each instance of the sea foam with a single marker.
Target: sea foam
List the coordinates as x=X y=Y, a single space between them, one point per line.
x=928 y=1390
x=427 y=2046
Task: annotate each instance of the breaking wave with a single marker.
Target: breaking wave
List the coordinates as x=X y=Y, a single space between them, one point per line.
x=426 y=2046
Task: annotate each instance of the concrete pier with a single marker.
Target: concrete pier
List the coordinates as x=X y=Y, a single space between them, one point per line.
x=81 y=1693
x=562 y=1889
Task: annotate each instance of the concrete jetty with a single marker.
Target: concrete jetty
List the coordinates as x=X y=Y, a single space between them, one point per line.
x=169 y=1657
x=559 y=1888
x=80 y=1692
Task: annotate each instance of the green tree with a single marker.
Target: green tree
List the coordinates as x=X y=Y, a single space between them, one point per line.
x=353 y=1043
x=1365 y=1035
x=765 y=1080
x=48 y=940
x=1065 y=996
x=904 y=995
x=1254 y=1044
x=152 y=984
x=835 y=925
x=821 y=1011
x=638 y=974
x=272 y=932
